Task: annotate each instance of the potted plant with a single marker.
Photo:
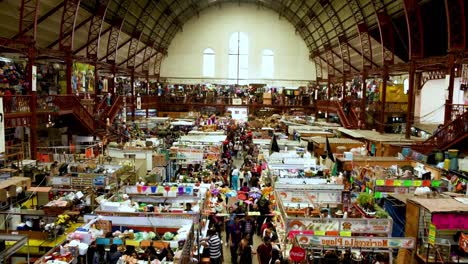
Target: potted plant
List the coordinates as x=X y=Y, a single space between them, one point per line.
x=380 y=212
x=366 y=201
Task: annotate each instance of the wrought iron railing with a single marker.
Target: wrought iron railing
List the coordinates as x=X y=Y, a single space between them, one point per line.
x=71 y=102
x=448 y=135
x=16 y=104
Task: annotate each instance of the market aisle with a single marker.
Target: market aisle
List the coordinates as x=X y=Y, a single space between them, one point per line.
x=227 y=253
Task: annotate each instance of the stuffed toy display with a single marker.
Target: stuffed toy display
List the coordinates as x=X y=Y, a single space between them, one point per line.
x=11 y=73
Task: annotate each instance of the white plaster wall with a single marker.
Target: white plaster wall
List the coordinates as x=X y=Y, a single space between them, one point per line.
x=433 y=95
x=213 y=28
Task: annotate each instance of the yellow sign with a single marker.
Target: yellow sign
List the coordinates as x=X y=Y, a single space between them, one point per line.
x=319 y=233
x=395 y=94
x=365 y=242
x=432 y=234
x=345 y=233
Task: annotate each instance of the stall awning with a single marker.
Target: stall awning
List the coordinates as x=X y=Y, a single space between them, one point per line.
x=441 y=205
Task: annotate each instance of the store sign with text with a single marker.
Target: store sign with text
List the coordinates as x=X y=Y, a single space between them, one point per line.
x=374 y=226
x=297 y=254
x=357 y=242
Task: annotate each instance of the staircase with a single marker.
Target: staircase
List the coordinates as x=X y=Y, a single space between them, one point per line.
x=111 y=111
x=349 y=120
x=97 y=126
x=449 y=135
x=72 y=103
x=115 y=108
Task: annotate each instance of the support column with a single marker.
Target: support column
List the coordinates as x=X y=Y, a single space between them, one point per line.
x=112 y=88
x=384 y=99
x=363 y=99
x=147 y=92
x=96 y=87
x=132 y=85
x=410 y=111
x=449 y=100
x=328 y=95
x=68 y=73
x=344 y=87
x=417 y=96
x=33 y=104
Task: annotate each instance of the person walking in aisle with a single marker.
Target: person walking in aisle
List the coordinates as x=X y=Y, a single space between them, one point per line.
x=245 y=251
x=264 y=251
x=235 y=178
x=235 y=237
x=214 y=246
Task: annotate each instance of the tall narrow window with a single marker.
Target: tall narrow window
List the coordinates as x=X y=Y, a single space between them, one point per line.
x=238 y=56
x=268 y=63
x=208 y=63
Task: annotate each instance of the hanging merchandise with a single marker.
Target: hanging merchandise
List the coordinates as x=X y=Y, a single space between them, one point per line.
x=463 y=243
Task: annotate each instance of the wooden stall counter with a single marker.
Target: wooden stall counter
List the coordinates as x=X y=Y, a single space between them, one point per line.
x=320 y=143
x=373 y=161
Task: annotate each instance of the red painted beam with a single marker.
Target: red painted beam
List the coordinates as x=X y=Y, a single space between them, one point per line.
x=114 y=51
x=116 y=29
x=95 y=29
x=29 y=11
x=455 y=13
x=49 y=13
x=68 y=22
x=415 y=29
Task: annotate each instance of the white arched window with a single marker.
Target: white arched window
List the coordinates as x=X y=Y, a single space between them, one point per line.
x=268 y=63
x=238 y=56
x=208 y=63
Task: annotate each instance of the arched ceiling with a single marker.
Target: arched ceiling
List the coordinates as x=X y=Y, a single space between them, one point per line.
x=153 y=24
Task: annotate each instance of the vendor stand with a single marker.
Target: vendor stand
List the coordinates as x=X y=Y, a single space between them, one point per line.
x=335 y=144
x=291 y=165
x=382 y=145
x=358 y=249
x=313 y=211
x=440 y=225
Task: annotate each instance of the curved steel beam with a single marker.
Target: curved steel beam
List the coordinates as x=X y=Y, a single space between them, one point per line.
x=114 y=34
x=415 y=29
x=325 y=41
x=318 y=66
x=157 y=64
x=70 y=12
x=67 y=34
x=364 y=38
x=456 y=28
x=342 y=40
x=386 y=33
x=95 y=29
x=84 y=46
x=138 y=33
x=29 y=11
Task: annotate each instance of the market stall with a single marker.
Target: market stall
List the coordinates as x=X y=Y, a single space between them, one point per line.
x=324 y=211
x=355 y=249
x=382 y=145
x=439 y=225
x=338 y=145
